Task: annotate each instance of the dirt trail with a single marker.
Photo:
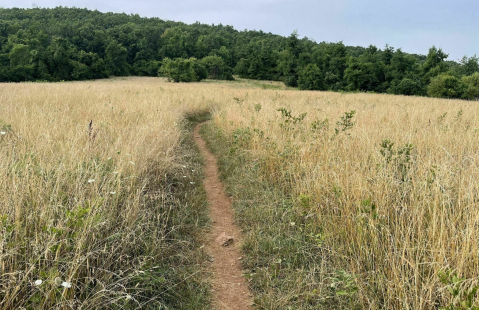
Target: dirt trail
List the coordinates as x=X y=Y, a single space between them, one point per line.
x=230 y=291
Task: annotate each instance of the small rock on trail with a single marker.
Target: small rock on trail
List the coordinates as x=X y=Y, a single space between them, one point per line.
x=224 y=239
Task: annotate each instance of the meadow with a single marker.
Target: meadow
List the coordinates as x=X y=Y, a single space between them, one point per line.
x=346 y=201
x=100 y=196
x=367 y=201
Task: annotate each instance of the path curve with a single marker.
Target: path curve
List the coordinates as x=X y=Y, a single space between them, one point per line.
x=230 y=291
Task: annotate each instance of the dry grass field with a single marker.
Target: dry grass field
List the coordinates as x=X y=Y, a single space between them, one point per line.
x=369 y=211
x=93 y=207
x=389 y=193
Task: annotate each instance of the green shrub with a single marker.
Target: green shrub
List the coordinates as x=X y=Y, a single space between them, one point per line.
x=445 y=86
x=182 y=70
x=471 y=86
x=216 y=68
x=408 y=87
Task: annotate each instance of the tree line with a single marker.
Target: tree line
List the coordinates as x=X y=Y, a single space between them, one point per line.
x=79 y=44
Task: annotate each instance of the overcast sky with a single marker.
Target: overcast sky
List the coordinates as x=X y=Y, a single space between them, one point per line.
x=413 y=25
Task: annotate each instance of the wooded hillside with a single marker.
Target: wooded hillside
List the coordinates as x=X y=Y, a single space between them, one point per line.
x=77 y=44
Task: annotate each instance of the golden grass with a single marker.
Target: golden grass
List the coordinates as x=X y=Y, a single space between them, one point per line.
x=55 y=224
x=78 y=203
x=425 y=216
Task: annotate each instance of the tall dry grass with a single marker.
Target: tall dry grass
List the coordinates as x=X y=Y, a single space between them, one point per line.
x=90 y=206
x=390 y=218
x=394 y=198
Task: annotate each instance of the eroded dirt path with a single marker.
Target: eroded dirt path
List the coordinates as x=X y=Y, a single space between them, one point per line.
x=230 y=291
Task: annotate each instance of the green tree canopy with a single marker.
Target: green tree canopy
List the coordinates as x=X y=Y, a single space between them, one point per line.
x=116 y=56
x=445 y=86
x=76 y=44
x=408 y=87
x=471 y=83
x=182 y=70
x=216 y=68
x=311 y=78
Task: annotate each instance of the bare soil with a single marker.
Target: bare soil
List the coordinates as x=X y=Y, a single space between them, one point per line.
x=230 y=291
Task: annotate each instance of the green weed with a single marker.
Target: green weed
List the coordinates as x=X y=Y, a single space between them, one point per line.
x=346 y=123
x=463 y=297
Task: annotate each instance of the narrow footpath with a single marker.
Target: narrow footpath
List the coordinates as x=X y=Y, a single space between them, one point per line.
x=230 y=291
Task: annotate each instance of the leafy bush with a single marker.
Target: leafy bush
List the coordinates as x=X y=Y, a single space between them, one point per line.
x=289 y=120
x=471 y=86
x=216 y=68
x=182 y=70
x=445 y=86
x=408 y=87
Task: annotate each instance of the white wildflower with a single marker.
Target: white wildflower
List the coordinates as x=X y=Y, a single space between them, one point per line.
x=184 y=166
x=66 y=284
x=184 y=176
x=128 y=297
x=91 y=180
x=192 y=182
x=113 y=193
x=192 y=170
x=38 y=282
x=293 y=223
x=3 y=133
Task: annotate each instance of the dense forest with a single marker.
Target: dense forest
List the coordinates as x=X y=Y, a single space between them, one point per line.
x=77 y=44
